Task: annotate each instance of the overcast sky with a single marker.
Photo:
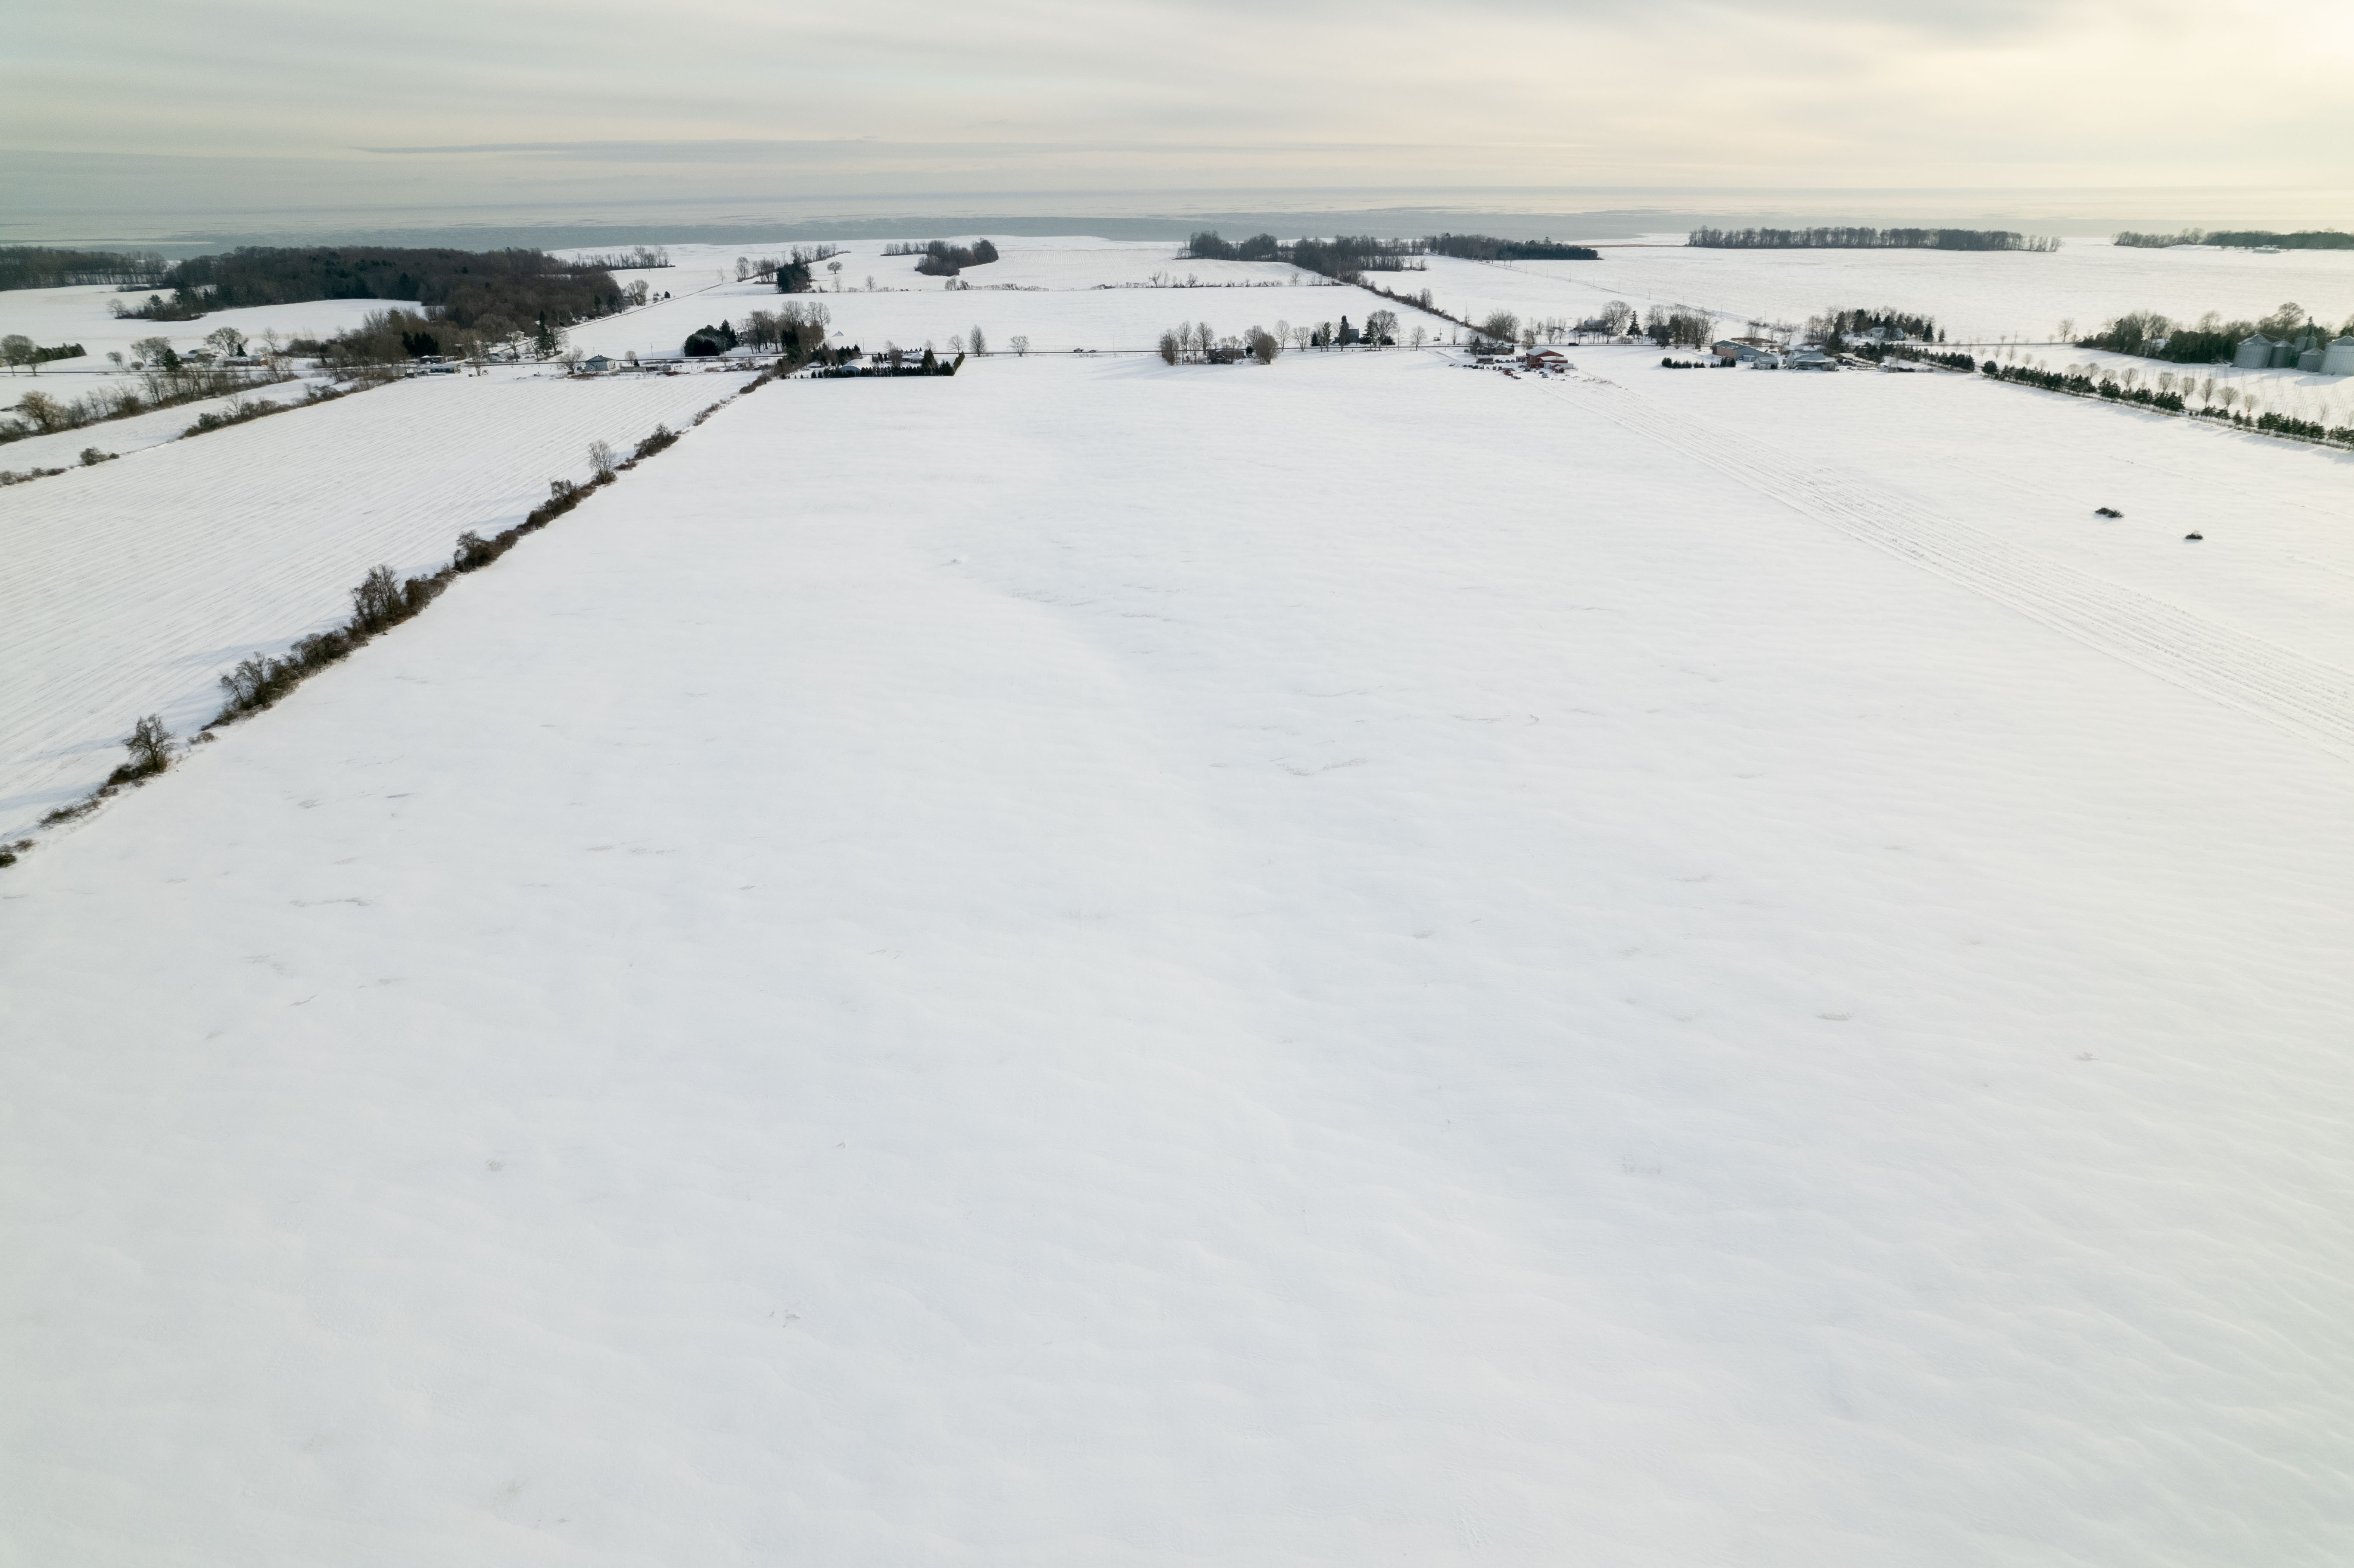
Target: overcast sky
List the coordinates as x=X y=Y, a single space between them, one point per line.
x=494 y=99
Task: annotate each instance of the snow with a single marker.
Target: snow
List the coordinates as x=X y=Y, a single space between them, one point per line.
x=133 y=586
x=1092 y=963
x=64 y=448
x=1986 y=296
x=1062 y=293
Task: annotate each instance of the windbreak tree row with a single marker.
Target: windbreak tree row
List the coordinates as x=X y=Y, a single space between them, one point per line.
x=1829 y=237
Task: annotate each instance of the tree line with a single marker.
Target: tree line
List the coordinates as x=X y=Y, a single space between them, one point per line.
x=1344 y=257
x=939 y=258
x=1486 y=247
x=1341 y=257
x=1839 y=239
x=490 y=294
x=42 y=267
x=17 y=349
x=2171 y=394
x=2303 y=239
x=165 y=379
x=1198 y=343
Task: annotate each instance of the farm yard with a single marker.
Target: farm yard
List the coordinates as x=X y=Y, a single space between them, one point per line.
x=1093 y=961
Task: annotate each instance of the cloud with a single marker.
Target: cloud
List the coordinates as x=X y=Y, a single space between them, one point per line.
x=1208 y=93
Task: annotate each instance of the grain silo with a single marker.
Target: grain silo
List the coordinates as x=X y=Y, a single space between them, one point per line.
x=2338 y=359
x=2256 y=352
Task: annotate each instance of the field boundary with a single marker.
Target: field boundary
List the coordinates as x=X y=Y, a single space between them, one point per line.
x=379 y=603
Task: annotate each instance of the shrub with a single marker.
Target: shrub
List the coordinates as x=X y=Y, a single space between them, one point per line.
x=662 y=437
x=91 y=456
x=474 y=552
x=600 y=459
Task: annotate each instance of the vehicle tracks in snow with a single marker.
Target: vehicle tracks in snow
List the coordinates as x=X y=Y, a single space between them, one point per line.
x=2299 y=694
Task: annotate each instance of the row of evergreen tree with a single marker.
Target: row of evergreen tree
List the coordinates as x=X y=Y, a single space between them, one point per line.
x=2168 y=400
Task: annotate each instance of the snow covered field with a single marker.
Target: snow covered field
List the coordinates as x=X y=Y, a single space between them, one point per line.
x=1060 y=293
x=64 y=448
x=131 y=586
x=1975 y=295
x=78 y=314
x=1357 y=961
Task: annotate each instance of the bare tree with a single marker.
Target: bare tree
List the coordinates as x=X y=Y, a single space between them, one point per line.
x=1300 y=337
x=835 y=268
x=1415 y=338
x=978 y=342
x=150 y=746
x=1021 y=345
x=600 y=459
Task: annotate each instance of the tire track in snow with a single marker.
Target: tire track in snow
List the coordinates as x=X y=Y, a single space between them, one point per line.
x=2302 y=694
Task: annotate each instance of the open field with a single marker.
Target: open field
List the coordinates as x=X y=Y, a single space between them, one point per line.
x=1061 y=293
x=1092 y=963
x=131 y=586
x=1979 y=295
